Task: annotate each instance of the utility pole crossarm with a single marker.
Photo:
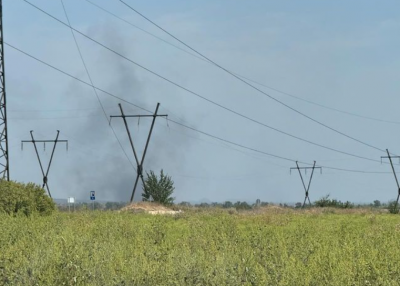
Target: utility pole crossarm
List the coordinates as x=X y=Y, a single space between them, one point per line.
x=147 y=115
x=301 y=168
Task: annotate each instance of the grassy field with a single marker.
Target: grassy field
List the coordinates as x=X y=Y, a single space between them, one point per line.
x=201 y=248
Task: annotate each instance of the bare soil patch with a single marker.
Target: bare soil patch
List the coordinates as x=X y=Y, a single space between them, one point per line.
x=150 y=208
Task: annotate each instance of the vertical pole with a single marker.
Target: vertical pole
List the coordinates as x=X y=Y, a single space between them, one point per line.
x=4 y=155
x=151 y=131
x=395 y=176
x=304 y=185
x=52 y=153
x=140 y=166
x=309 y=182
x=129 y=133
x=301 y=176
x=41 y=167
x=134 y=187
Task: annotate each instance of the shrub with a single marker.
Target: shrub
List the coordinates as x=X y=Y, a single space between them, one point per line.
x=298 y=205
x=242 y=206
x=393 y=207
x=24 y=198
x=158 y=190
x=327 y=202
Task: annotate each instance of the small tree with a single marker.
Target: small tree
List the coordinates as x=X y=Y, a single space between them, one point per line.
x=377 y=203
x=227 y=205
x=158 y=190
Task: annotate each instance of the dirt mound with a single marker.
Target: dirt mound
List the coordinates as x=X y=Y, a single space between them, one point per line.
x=148 y=207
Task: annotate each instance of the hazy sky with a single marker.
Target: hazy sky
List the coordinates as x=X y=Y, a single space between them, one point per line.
x=341 y=54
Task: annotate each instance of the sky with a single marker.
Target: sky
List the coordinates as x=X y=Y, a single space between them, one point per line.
x=340 y=54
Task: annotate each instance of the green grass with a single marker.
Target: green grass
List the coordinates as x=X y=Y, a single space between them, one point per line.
x=200 y=249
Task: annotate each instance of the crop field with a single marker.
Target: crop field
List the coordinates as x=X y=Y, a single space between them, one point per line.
x=201 y=248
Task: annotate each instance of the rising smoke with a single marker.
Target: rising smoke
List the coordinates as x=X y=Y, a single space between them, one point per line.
x=100 y=164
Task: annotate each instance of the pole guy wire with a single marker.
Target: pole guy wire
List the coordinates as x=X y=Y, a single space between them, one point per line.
x=91 y=82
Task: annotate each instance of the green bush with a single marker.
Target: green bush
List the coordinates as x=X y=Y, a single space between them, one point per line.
x=393 y=207
x=24 y=198
x=327 y=202
x=158 y=190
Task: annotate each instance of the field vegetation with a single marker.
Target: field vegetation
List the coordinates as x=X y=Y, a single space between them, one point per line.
x=202 y=246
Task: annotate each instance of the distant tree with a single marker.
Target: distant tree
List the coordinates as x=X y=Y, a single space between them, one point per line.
x=242 y=206
x=377 y=203
x=158 y=190
x=203 y=205
x=346 y=205
x=227 y=205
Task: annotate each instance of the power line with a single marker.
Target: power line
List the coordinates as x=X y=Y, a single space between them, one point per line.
x=260 y=123
x=252 y=86
x=73 y=77
x=321 y=105
x=269 y=154
x=95 y=91
x=242 y=76
x=196 y=94
x=55 y=110
x=192 y=128
x=55 y=118
x=227 y=146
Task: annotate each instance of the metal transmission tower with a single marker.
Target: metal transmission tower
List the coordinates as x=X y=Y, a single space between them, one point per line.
x=139 y=163
x=306 y=189
x=4 y=160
